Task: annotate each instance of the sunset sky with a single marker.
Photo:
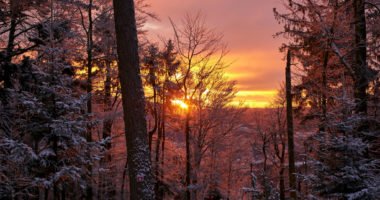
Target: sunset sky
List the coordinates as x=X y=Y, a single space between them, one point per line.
x=248 y=27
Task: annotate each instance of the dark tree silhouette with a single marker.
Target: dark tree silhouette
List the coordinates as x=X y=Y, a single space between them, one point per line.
x=141 y=178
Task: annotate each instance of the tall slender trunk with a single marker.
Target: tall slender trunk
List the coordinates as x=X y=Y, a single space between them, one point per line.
x=12 y=30
x=197 y=159
x=289 y=120
x=89 y=56
x=89 y=190
x=156 y=128
x=282 y=180
x=157 y=162
x=197 y=151
x=281 y=155
x=140 y=172
x=55 y=138
x=106 y=187
x=55 y=143
x=265 y=171
x=188 y=157
x=360 y=61
x=155 y=115
x=160 y=143
x=326 y=58
x=324 y=91
x=107 y=124
x=163 y=124
x=10 y=45
x=125 y=169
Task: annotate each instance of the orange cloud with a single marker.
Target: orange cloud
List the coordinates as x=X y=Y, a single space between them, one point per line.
x=247 y=26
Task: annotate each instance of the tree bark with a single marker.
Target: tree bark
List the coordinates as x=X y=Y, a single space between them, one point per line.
x=157 y=163
x=324 y=91
x=360 y=61
x=106 y=187
x=160 y=143
x=140 y=172
x=282 y=181
x=125 y=169
x=155 y=115
x=188 y=161
x=266 y=192
x=89 y=190
x=289 y=120
x=10 y=45
x=107 y=124
x=152 y=80
x=163 y=123
x=89 y=57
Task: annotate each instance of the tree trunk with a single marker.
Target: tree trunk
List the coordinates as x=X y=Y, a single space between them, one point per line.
x=155 y=115
x=10 y=46
x=160 y=142
x=282 y=181
x=107 y=124
x=360 y=61
x=197 y=158
x=188 y=161
x=89 y=57
x=125 y=169
x=89 y=190
x=324 y=91
x=106 y=187
x=266 y=192
x=162 y=193
x=140 y=172
x=289 y=120
x=157 y=162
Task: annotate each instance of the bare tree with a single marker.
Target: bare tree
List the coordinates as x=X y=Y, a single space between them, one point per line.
x=278 y=135
x=201 y=53
x=159 y=68
x=214 y=119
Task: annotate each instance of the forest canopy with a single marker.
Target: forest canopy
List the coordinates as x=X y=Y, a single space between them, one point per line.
x=93 y=106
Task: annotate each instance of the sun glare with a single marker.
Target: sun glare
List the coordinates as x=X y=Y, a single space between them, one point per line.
x=180 y=103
